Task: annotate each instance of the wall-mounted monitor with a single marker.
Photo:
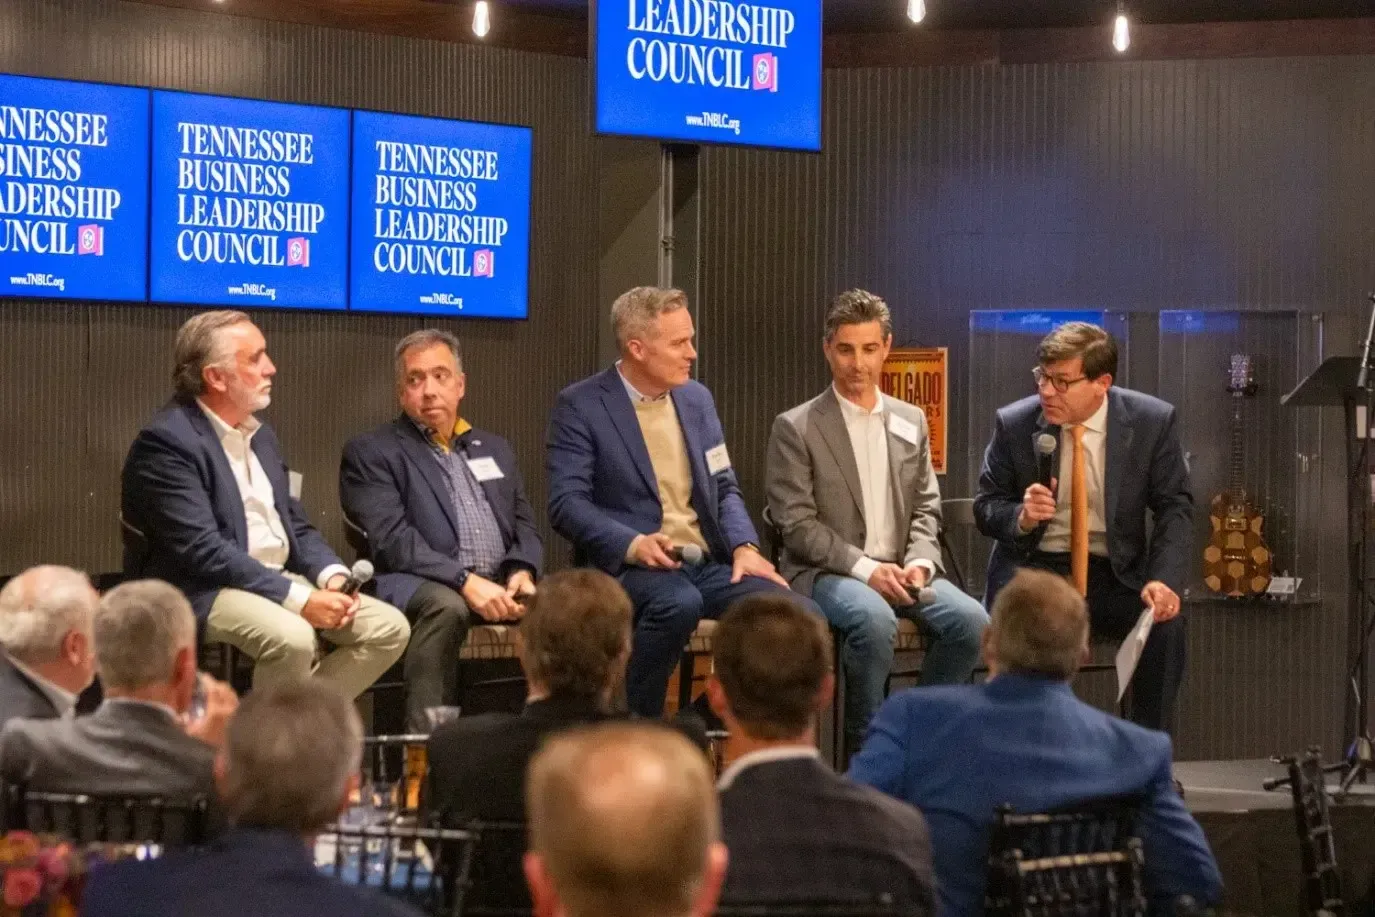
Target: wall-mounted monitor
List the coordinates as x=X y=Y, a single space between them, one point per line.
x=709 y=71
x=441 y=217
x=73 y=189
x=249 y=203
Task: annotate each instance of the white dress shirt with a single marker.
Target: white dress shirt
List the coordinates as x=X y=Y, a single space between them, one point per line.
x=1056 y=537
x=869 y=440
x=58 y=696
x=267 y=539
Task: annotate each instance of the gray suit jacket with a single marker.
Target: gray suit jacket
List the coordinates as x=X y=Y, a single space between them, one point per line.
x=120 y=749
x=20 y=696
x=814 y=495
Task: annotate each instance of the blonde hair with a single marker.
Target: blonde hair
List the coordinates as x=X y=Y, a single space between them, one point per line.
x=1040 y=625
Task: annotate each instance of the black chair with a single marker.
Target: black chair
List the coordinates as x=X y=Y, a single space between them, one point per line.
x=808 y=909
x=86 y=819
x=497 y=887
x=399 y=763
x=426 y=867
x=1322 y=887
x=1084 y=859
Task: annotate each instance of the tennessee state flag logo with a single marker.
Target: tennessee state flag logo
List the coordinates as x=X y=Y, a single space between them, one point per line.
x=298 y=252
x=765 y=72
x=90 y=239
x=482 y=262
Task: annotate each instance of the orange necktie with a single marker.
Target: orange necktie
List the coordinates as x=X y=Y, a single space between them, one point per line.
x=1078 y=515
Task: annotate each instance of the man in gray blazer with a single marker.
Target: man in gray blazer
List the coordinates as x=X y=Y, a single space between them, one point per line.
x=854 y=496
x=139 y=742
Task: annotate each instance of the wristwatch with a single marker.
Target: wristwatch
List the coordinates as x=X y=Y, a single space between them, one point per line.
x=463 y=579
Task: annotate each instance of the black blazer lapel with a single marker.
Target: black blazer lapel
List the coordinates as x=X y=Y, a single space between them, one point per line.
x=418 y=452
x=1119 y=443
x=227 y=498
x=622 y=413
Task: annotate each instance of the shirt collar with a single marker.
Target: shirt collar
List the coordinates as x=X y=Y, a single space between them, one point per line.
x=171 y=714
x=222 y=429
x=60 y=697
x=850 y=409
x=1098 y=423
x=461 y=426
x=634 y=393
x=766 y=756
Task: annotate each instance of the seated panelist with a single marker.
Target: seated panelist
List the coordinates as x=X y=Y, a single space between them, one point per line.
x=206 y=486
x=449 y=528
x=641 y=483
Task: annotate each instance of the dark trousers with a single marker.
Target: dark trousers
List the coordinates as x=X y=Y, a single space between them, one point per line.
x=668 y=605
x=1114 y=608
x=439 y=623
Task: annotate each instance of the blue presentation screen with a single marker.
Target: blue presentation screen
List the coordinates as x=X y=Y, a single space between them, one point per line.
x=73 y=189
x=441 y=217
x=249 y=203
x=710 y=71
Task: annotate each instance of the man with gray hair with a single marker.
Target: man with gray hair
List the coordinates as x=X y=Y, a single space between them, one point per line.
x=45 y=631
x=1023 y=739
x=143 y=739
x=208 y=506
x=852 y=490
x=641 y=483
x=623 y=823
x=286 y=771
x=447 y=523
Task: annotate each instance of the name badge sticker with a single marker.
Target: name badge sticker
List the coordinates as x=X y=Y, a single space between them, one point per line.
x=718 y=459
x=485 y=469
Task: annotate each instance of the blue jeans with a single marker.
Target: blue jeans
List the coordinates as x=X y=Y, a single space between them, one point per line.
x=866 y=623
x=668 y=604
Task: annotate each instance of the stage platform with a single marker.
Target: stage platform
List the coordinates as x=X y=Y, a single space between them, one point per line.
x=1253 y=837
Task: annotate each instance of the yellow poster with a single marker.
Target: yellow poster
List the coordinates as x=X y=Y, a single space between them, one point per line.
x=919 y=375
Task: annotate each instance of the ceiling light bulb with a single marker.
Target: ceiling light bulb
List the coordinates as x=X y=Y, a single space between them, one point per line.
x=1121 y=34
x=482 y=19
x=916 y=10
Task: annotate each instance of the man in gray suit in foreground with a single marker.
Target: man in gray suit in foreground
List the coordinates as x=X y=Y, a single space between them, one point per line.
x=854 y=496
x=139 y=742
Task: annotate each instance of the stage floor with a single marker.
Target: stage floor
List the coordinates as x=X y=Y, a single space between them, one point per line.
x=1253 y=836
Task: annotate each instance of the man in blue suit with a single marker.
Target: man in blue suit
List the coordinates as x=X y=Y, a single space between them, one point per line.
x=1130 y=461
x=447 y=522
x=207 y=490
x=1023 y=738
x=638 y=474
x=286 y=771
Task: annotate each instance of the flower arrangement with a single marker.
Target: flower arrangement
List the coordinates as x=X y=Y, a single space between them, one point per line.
x=42 y=877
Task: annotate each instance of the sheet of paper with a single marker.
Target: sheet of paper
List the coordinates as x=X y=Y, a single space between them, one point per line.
x=1129 y=653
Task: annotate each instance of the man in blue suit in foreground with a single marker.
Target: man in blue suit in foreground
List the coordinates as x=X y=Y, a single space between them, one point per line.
x=447 y=522
x=639 y=472
x=288 y=766
x=1023 y=738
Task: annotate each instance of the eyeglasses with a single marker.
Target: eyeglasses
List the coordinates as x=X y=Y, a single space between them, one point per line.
x=1059 y=384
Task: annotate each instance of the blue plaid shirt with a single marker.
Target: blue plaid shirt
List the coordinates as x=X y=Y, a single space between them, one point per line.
x=480 y=545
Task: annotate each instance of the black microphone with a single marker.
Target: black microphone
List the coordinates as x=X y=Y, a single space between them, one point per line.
x=688 y=554
x=361 y=573
x=1045 y=445
x=924 y=595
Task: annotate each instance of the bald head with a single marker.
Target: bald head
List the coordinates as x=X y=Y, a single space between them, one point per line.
x=1040 y=626
x=45 y=623
x=623 y=823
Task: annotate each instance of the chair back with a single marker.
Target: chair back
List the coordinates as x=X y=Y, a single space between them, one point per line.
x=1085 y=859
x=426 y=867
x=397 y=765
x=957 y=514
x=1322 y=889
x=772 y=537
x=136 y=548
x=357 y=537
x=86 y=819
x=498 y=886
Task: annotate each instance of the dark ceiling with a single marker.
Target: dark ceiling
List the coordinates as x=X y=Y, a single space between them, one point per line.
x=881 y=15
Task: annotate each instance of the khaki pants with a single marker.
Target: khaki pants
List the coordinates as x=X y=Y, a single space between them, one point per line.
x=282 y=643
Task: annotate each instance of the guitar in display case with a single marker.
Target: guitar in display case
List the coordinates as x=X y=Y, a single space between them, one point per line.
x=1236 y=562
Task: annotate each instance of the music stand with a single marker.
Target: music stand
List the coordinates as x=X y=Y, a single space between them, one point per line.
x=1340 y=382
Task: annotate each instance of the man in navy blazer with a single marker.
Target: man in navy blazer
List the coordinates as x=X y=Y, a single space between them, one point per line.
x=286 y=771
x=447 y=522
x=207 y=499
x=638 y=473
x=1133 y=464
x=958 y=752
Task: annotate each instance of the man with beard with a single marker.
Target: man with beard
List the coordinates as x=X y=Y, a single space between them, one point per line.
x=206 y=488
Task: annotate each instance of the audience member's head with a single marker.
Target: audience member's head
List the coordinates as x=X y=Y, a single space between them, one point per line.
x=145 y=644
x=575 y=636
x=291 y=757
x=1040 y=627
x=623 y=823
x=45 y=623
x=771 y=669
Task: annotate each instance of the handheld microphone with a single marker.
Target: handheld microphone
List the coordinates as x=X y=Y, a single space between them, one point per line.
x=924 y=595
x=1045 y=445
x=688 y=554
x=361 y=573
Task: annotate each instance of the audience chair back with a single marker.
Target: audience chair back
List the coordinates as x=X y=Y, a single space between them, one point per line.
x=425 y=867
x=87 y=819
x=1085 y=859
x=498 y=886
x=1322 y=888
x=395 y=767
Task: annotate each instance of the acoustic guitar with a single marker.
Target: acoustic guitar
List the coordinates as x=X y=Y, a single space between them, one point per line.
x=1236 y=561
